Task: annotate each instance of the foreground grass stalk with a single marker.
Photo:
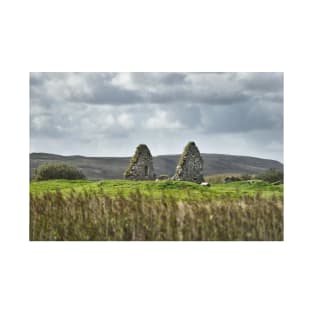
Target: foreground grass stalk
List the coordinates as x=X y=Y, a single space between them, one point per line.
x=95 y=216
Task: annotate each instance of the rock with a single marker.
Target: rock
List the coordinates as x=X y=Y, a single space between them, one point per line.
x=141 y=165
x=190 y=165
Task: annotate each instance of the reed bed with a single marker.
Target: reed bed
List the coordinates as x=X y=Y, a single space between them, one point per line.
x=95 y=216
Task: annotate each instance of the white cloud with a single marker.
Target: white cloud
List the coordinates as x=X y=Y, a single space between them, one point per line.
x=124 y=80
x=39 y=122
x=88 y=113
x=125 y=120
x=161 y=121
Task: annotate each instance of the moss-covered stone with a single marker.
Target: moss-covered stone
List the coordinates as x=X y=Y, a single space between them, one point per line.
x=182 y=160
x=190 y=165
x=141 y=165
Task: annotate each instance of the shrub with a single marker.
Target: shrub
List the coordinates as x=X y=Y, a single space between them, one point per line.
x=57 y=171
x=246 y=177
x=231 y=179
x=272 y=175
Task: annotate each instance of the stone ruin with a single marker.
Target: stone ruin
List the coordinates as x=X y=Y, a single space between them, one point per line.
x=141 y=165
x=190 y=165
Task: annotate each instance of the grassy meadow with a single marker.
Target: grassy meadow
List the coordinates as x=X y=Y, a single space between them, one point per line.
x=149 y=210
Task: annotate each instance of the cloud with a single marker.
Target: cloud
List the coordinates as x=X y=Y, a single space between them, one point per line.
x=110 y=113
x=92 y=88
x=126 y=120
x=161 y=120
x=134 y=88
x=264 y=82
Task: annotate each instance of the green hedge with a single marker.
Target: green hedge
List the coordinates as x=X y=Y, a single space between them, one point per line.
x=57 y=171
x=272 y=176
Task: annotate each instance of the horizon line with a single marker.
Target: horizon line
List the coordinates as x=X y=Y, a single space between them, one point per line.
x=159 y=155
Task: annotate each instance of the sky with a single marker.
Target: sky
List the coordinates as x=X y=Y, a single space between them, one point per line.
x=109 y=114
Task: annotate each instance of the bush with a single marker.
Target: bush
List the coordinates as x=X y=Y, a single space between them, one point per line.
x=246 y=177
x=220 y=178
x=57 y=171
x=272 y=176
x=231 y=179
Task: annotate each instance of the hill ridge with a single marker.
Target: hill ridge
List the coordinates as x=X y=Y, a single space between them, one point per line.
x=96 y=167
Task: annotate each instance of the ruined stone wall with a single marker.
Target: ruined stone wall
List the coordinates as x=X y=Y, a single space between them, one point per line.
x=190 y=165
x=141 y=165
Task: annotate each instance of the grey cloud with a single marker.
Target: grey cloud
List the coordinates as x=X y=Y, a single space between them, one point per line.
x=93 y=88
x=103 y=92
x=243 y=117
x=158 y=78
x=204 y=97
x=109 y=114
x=99 y=88
x=265 y=82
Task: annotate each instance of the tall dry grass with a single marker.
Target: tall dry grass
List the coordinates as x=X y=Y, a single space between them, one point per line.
x=94 y=216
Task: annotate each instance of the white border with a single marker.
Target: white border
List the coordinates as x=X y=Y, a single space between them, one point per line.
x=155 y=36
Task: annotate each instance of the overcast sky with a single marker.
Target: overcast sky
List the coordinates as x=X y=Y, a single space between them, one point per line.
x=109 y=114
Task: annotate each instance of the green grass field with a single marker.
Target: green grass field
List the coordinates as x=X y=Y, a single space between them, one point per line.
x=177 y=189
x=148 y=210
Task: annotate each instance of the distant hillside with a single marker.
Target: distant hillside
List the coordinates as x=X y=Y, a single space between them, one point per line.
x=113 y=167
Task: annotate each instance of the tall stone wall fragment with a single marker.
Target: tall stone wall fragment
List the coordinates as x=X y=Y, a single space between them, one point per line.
x=141 y=165
x=190 y=165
